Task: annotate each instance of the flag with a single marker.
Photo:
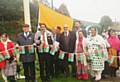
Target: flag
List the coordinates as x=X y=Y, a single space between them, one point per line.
x=119 y=58
x=90 y=57
x=45 y=48
x=61 y=55
x=105 y=53
x=52 y=18
x=7 y=55
x=110 y=58
x=22 y=50
x=1 y=58
x=31 y=49
x=71 y=57
x=99 y=52
x=53 y=50
x=79 y=56
x=15 y=52
x=40 y=49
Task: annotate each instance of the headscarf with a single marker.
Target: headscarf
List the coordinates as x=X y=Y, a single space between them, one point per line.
x=114 y=42
x=5 y=42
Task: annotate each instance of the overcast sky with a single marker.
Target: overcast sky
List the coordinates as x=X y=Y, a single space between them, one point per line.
x=91 y=10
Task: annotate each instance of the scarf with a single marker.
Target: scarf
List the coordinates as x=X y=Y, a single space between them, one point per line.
x=79 y=45
x=5 y=42
x=114 y=42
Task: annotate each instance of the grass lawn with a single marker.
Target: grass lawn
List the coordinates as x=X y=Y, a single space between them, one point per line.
x=60 y=79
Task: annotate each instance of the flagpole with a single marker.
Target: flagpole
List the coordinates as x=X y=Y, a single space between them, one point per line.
x=39 y=2
x=26 y=5
x=52 y=4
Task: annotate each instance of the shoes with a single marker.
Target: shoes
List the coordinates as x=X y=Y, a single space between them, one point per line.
x=43 y=81
x=47 y=80
x=27 y=81
x=98 y=77
x=92 y=79
x=34 y=80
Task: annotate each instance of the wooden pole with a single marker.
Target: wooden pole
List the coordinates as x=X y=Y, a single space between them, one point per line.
x=26 y=5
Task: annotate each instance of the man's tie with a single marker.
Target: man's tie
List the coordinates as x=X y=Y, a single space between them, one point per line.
x=66 y=40
x=26 y=34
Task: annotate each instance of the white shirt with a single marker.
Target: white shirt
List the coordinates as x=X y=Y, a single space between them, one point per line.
x=26 y=34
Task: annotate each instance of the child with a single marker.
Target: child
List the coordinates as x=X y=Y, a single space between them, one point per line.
x=10 y=70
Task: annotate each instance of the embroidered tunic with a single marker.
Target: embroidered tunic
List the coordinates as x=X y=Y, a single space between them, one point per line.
x=97 y=52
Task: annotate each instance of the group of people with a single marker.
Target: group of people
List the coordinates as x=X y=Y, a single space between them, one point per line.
x=91 y=59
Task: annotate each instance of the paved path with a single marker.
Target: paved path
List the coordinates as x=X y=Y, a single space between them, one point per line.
x=112 y=79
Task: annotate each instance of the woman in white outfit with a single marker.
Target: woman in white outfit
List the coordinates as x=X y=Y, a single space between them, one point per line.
x=97 y=53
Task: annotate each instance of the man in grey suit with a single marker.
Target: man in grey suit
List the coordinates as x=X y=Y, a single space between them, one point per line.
x=27 y=57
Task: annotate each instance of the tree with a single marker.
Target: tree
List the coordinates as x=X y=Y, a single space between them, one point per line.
x=105 y=22
x=12 y=15
x=34 y=11
x=63 y=9
x=11 y=10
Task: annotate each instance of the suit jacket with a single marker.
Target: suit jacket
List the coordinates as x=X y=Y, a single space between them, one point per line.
x=49 y=36
x=29 y=40
x=58 y=37
x=71 y=42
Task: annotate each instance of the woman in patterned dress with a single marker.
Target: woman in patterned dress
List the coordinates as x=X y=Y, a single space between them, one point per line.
x=97 y=53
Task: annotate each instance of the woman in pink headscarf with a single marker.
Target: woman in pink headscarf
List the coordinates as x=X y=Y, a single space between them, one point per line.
x=113 y=50
x=114 y=40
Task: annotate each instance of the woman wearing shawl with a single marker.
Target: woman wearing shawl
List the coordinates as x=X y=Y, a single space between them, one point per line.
x=97 y=53
x=81 y=63
x=113 y=50
x=6 y=47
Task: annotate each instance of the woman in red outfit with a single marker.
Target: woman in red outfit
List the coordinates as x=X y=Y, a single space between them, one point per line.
x=7 y=52
x=81 y=62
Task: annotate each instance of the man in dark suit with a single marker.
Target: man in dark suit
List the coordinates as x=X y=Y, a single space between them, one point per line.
x=55 y=62
x=67 y=44
x=43 y=36
x=26 y=39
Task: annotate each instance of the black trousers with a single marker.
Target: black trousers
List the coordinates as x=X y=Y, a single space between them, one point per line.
x=52 y=66
x=29 y=71
x=118 y=61
x=56 y=64
x=11 y=79
x=107 y=69
x=74 y=68
x=44 y=63
x=64 y=66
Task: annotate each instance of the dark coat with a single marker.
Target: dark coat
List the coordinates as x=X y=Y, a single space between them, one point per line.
x=29 y=40
x=71 y=42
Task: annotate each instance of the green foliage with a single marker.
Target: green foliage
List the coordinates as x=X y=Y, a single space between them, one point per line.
x=10 y=27
x=12 y=16
x=63 y=10
x=11 y=10
x=105 y=22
